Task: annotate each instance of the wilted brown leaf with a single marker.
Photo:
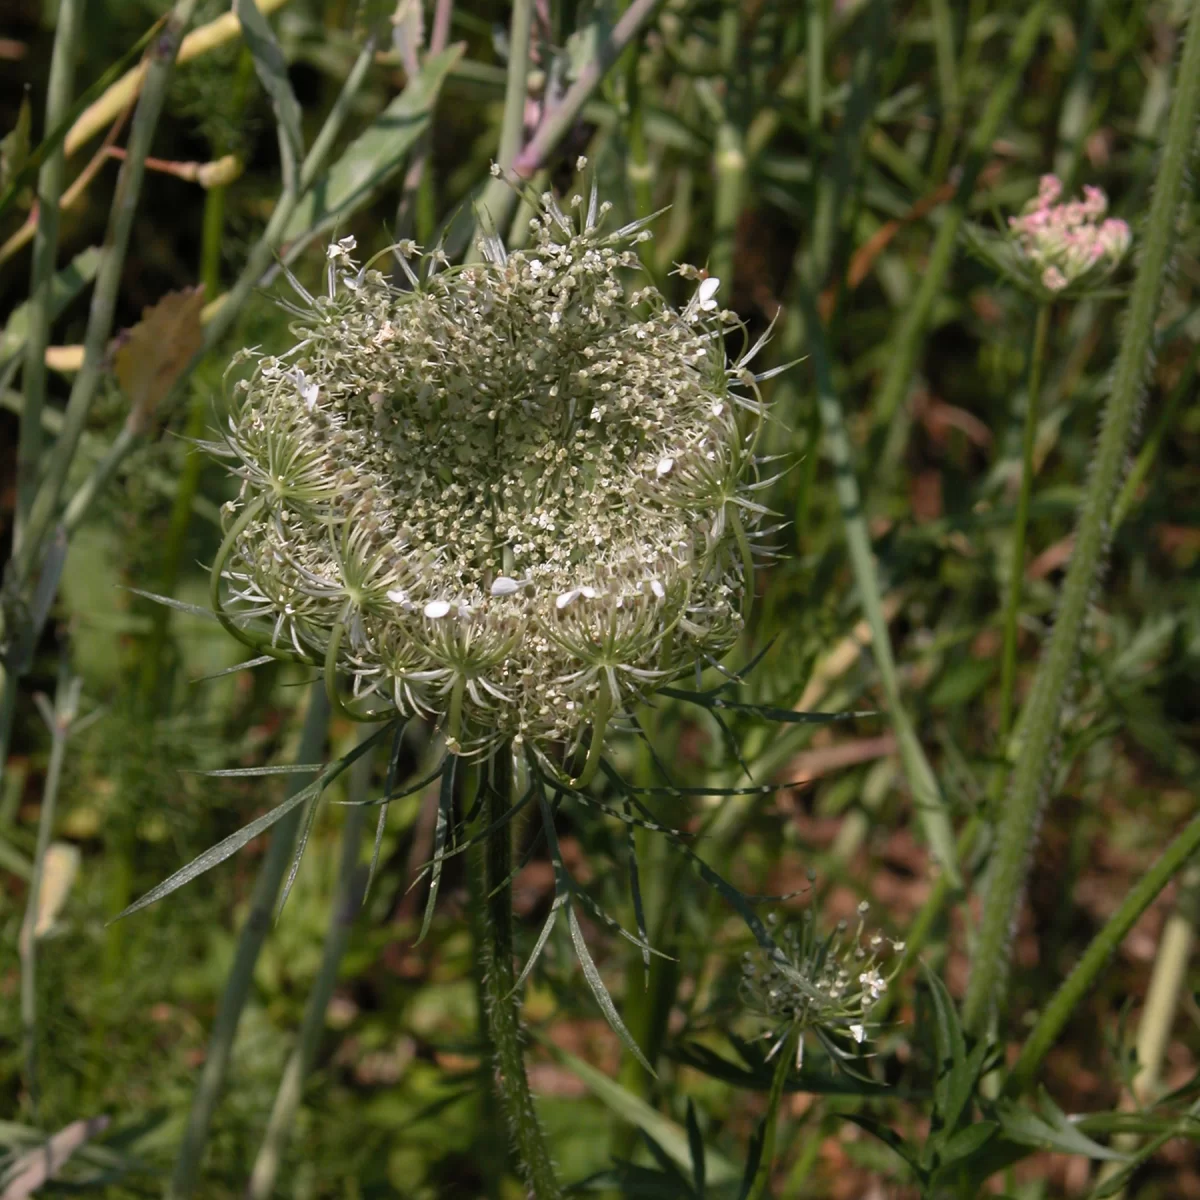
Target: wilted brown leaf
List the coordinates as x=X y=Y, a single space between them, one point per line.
x=152 y=355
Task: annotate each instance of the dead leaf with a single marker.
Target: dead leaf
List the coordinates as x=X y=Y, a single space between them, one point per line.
x=153 y=354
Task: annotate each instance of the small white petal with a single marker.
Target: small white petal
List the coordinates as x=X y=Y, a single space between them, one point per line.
x=504 y=586
x=565 y=598
x=436 y=609
x=858 y=1033
x=398 y=596
x=707 y=290
x=588 y=593
x=664 y=466
x=658 y=589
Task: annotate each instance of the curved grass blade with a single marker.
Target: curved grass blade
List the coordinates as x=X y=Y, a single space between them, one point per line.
x=790 y=716
x=248 y=665
x=272 y=769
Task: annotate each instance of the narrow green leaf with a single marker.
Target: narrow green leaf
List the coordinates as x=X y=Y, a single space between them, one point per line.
x=376 y=154
x=310 y=817
x=220 y=852
x=271 y=68
x=235 y=841
x=1049 y=1129
x=965 y=1143
x=445 y=821
x=592 y=975
x=248 y=665
x=948 y=1040
x=192 y=610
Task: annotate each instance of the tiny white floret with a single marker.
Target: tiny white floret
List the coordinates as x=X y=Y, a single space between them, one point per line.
x=664 y=466
x=706 y=294
x=565 y=598
x=658 y=589
x=504 y=586
x=436 y=609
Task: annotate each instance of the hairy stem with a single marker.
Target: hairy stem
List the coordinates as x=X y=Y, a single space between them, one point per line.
x=492 y=865
x=186 y=1175
x=1012 y=606
x=1040 y=717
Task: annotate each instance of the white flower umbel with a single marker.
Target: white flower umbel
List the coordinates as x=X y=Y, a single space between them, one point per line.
x=826 y=986
x=511 y=496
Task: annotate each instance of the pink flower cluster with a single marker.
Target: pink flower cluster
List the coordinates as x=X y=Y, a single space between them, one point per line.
x=1066 y=241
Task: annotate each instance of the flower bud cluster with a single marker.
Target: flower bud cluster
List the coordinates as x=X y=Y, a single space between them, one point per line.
x=821 y=985
x=510 y=496
x=1064 y=242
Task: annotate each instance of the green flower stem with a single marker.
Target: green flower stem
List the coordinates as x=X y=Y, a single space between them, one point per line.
x=1077 y=985
x=45 y=249
x=347 y=899
x=1012 y=607
x=108 y=282
x=930 y=805
x=491 y=866
x=760 y=1186
x=1040 y=717
x=186 y=1175
x=66 y=703
x=910 y=332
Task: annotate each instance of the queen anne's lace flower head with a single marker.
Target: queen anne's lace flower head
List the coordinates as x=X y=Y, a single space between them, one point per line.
x=509 y=496
x=824 y=986
x=1066 y=242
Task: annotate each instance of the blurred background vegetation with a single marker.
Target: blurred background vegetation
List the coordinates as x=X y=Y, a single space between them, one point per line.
x=792 y=145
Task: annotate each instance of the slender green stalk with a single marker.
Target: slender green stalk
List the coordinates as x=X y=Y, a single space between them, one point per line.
x=910 y=332
x=45 y=250
x=760 y=1185
x=1077 y=985
x=495 y=206
x=66 y=704
x=492 y=864
x=108 y=282
x=1012 y=606
x=347 y=899
x=1040 y=717
x=186 y=1175
x=927 y=796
